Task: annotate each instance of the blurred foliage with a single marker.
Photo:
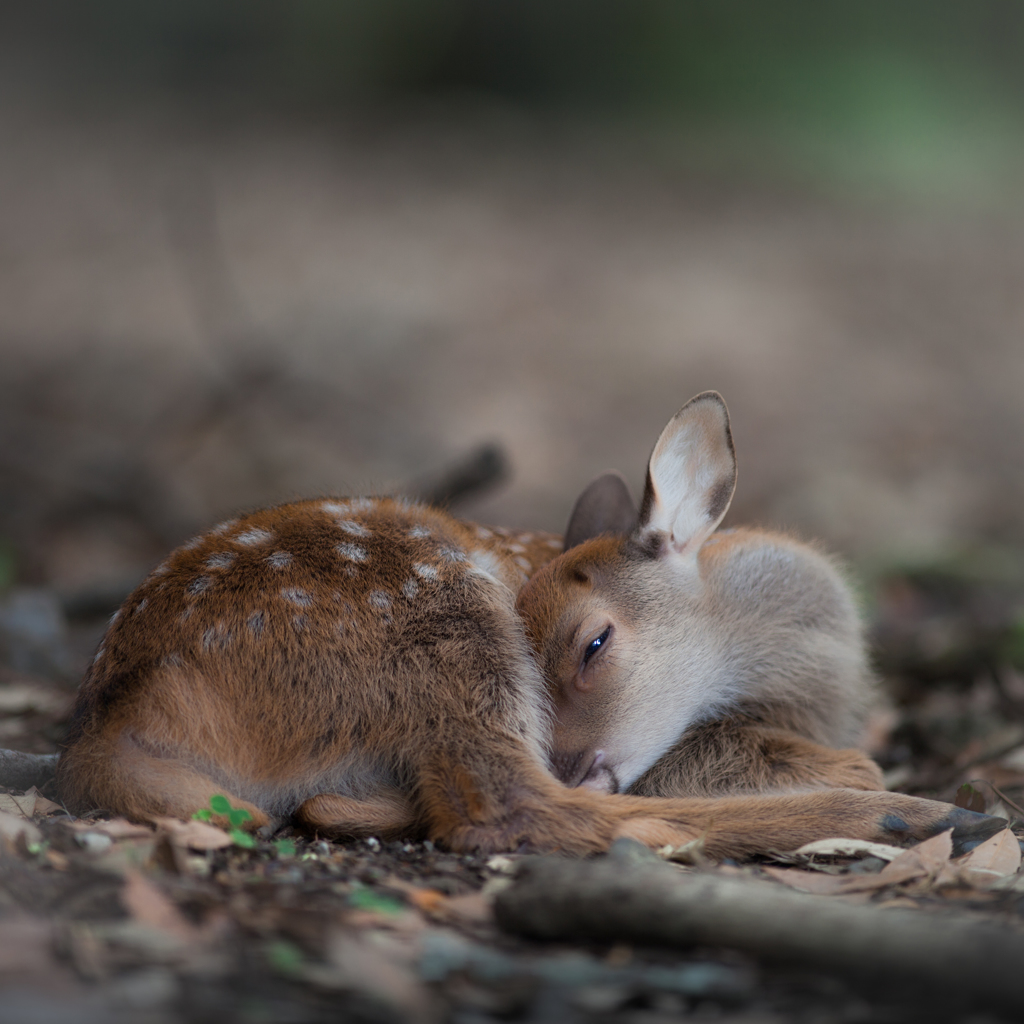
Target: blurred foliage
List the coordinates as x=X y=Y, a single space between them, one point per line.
x=719 y=57
x=928 y=93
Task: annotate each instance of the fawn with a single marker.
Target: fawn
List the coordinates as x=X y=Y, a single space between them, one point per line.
x=687 y=662
x=682 y=662
x=357 y=666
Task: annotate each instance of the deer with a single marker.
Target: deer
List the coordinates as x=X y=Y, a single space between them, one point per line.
x=685 y=661
x=357 y=667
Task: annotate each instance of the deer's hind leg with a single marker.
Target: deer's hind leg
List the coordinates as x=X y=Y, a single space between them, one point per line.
x=122 y=776
x=389 y=815
x=736 y=756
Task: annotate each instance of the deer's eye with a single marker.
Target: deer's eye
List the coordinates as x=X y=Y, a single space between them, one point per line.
x=596 y=644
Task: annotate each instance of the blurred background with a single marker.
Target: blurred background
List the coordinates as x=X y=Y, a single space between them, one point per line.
x=255 y=251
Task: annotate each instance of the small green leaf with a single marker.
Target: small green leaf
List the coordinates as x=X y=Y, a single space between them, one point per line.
x=367 y=899
x=203 y=814
x=239 y=816
x=284 y=956
x=240 y=838
x=220 y=804
x=284 y=847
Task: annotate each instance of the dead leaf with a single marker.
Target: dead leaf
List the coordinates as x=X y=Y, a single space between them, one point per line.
x=149 y=906
x=926 y=860
x=850 y=848
x=986 y=864
x=117 y=828
x=23 y=805
x=43 y=806
x=1001 y=854
x=193 y=835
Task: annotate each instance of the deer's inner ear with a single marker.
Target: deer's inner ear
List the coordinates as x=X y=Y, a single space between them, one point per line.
x=606 y=506
x=691 y=476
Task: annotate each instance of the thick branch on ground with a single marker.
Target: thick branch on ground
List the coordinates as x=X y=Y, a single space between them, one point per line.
x=628 y=898
x=22 y=771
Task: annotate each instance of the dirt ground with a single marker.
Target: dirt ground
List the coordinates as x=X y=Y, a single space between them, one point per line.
x=199 y=314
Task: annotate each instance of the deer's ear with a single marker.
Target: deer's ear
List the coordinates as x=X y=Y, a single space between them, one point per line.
x=691 y=477
x=606 y=506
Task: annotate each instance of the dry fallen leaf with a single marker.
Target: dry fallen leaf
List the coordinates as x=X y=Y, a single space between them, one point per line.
x=117 y=828
x=926 y=860
x=43 y=806
x=149 y=906
x=193 y=835
x=986 y=864
x=850 y=848
x=23 y=805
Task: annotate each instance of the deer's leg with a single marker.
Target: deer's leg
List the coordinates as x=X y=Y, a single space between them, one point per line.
x=736 y=756
x=510 y=803
x=124 y=777
x=389 y=815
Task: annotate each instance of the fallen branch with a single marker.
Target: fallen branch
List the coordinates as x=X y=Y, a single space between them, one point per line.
x=637 y=899
x=19 y=770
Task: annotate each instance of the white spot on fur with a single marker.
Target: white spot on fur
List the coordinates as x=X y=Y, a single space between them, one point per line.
x=353 y=552
x=225 y=526
x=410 y=588
x=300 y=622
x=279 y=559
x=351 y=571
x=350 y=526
x=419 y=533
x=424 y=571
x=186 y=614
x=198 y=585
x=336 y=508
x=221 y=560
x=99 y=654
x=173 y=659
x=554 y=542
x=362 y=504
x=253 y=537
x=452 y=554
x=517 y=549
x=256 y=622
x=162 y=569
x=141 y=606
x=303 y=598
x=379 y=599
x=193 y=543
x=525 y=538
x=524 y=563
x=486 y=563
x=483 y=533
x=113 y=618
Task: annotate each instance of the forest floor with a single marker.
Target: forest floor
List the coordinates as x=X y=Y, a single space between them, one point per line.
x=101 y=920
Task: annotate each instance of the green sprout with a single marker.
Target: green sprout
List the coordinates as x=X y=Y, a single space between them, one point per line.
x=237 y=816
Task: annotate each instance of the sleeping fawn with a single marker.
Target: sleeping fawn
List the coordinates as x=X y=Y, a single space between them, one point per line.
x=682 y=662
x=357 y=666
